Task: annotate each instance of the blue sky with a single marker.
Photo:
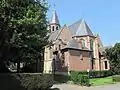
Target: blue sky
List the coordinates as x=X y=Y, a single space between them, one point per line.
x=103 y=16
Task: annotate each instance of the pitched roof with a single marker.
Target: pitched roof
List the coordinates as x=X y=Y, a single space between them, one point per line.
x=73 y=44
x=54 y=19
x=54 y=35
x=80 y=28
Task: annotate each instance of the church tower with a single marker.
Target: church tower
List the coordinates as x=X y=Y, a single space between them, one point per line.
x=54 y=23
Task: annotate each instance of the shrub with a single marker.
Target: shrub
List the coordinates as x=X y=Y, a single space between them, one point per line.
x=74 y=76
x=36 y=81
x=95 y=74
x=79 y=78
x=82 y=76
x=116 y=78
x=83 y=79
x=31 y=81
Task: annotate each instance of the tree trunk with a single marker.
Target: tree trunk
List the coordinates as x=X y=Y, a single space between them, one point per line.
x=18 y=66
x=37 y=65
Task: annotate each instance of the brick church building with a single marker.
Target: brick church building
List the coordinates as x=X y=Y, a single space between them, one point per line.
x=74 y=48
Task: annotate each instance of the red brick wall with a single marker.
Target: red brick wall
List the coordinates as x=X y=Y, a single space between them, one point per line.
x=75 y=61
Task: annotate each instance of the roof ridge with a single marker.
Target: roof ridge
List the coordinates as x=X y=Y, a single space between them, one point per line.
x=87 y=28
x=83 y=29
x=59 y=32
x=75 y=22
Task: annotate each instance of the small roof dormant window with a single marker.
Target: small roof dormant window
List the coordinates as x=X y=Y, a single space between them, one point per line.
x=82 y=42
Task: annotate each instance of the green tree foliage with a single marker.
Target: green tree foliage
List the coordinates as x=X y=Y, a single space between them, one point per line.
x=23 y=26
x=113 y=55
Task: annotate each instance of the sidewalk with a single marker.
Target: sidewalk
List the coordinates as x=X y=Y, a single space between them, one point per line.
x=76 y=87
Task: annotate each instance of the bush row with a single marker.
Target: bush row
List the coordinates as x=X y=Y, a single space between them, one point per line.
x=82 y=77
x=25 y=81
x=97 y=74
x=36 y=81
x=94 y=74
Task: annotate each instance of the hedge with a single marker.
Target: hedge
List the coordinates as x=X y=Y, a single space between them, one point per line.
x=116 y=78
x=98 y=74
x=25 y=81
x=36 y=81
x=94 y=74
x=82 y=78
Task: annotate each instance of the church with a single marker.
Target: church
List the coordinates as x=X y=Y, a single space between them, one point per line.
x=74 y=48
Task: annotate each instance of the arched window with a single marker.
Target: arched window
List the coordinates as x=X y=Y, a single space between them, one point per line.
x=57 y=28
x=91 y=44
x=53 y=28
x=50 y=53
x=92 y=54
x=106 y=65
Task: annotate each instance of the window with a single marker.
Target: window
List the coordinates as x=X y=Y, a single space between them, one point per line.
x=57 y=28
x=92 y=63
x=91 y=44
x=50 y=71
x=63 y=59
x=52 y=28
x=56 y=48
x=106 y=67
x=59 y=47
x=51 y=53
x=82 y=43
x=92 y=66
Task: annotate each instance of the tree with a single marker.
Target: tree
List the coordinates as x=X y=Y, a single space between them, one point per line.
x=113 y=55
x=23 y=25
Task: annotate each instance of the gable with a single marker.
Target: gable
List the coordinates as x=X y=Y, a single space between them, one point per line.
x=65 y=34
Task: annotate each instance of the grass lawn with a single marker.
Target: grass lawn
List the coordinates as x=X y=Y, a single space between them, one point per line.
x=101 y=81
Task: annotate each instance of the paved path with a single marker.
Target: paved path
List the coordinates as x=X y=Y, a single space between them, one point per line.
x=75 y=87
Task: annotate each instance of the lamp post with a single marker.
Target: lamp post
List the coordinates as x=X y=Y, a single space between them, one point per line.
x=88 y=71
x=53 y=67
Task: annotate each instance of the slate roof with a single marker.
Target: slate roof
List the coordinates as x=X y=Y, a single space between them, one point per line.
x=73 y=44
x=54 y=35
x=54 y=19
x=80 y=28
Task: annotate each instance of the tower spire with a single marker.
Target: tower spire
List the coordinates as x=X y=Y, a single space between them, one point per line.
x=54 y=23
x=54 y=19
